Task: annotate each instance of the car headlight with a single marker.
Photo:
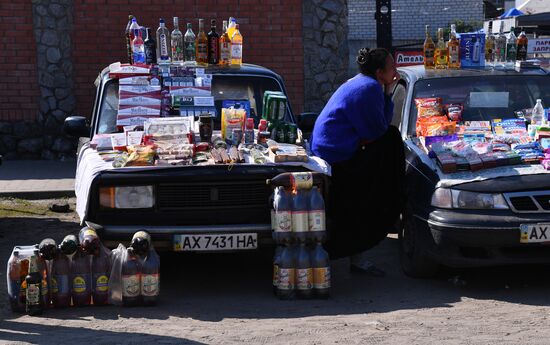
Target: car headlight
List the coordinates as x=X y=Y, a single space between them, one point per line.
x=126 y=197
x=452 y=198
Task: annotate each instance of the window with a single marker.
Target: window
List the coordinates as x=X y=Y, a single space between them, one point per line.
x=399 y=95
x=223 y=88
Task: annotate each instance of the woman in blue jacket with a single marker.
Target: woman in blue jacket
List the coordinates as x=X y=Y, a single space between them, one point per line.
x=353 y=134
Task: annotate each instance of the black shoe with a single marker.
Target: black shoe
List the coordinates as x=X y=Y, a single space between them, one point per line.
x=372 y=271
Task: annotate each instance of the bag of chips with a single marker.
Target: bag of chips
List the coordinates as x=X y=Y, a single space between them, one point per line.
x=429 y=107
x=454 y=111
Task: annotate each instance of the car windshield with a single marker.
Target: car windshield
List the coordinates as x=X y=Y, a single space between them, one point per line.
x=484 y=97
x=224 y=88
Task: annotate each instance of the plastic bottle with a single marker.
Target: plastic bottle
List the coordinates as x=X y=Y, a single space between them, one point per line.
x=321 y=271
x=81 y=279
x=287 y=274
x=131 y=283
x=89 y=241
x=33 y=292
x=300 y=226
x=47 y=249
x=276 y=265
x=150 y=278
x=69 y=245
x=141 y=242
x=60 y=286
x=282 y=204
x=44 y=273
x=304 y=273
x=100 y=276
x=301 y=180
x=138 y=48
x=14 y=281
x=316 y=216
x=537 y=117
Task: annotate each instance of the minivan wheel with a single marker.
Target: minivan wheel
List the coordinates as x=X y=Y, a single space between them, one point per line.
x=412 y=249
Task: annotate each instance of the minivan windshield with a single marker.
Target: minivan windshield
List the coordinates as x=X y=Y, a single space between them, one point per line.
x=224 y=88
x=484 y=97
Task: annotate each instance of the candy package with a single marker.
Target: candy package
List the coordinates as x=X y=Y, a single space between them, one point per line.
x=141 y=155
x=434 y=126
x=429 y=107
x=454 y=111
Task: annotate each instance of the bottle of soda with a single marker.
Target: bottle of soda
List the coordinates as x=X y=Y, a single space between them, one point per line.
x=14 y=282
x=100 y=276
x=304 y=273
x=150 y=278
x=81 y=279
x=60 y=275
x=300 y=227
x=141 y=241
x=276 y=264
x=300 y=180
x=89 y=241
x=283 y=216
x=47 y=249
x=316 y=216
x=69 y=245
x=44 y=273
x=287 y=274
x=23 y=271
x=33 y=292
x=321 y=271
x=131 y=283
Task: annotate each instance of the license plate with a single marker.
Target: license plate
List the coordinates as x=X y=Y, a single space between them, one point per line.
x=188 y=243
x=534 y=233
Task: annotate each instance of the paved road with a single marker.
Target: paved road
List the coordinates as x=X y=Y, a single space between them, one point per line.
x=227 y=299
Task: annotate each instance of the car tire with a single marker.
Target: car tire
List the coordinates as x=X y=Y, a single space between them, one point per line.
x=412 y=248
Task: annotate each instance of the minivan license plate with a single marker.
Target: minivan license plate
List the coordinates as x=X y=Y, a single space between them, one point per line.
x=534 y=233
x=215 y=242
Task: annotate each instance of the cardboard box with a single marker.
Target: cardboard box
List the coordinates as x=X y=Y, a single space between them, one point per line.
x=472 y=50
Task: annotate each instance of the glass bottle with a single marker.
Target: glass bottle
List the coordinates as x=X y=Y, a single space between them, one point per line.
x=231 y=27
x=511 y=46
x=177 y=42
x=429 y=50
x=33 y=292
x=128 y=34
x=189 y=42
x=163 y=43
x=213 y=44
x=202 y=45
x=453 y=47
x=440 y=51
x=489 y=46
x=237 y=47
x=225 y=46
x=150 y=48
x=500 y=46
x=522 y=46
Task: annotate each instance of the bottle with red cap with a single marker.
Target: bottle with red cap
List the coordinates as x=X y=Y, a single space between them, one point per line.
x=249 y=131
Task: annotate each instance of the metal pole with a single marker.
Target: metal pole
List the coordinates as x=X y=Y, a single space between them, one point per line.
x=383 y=24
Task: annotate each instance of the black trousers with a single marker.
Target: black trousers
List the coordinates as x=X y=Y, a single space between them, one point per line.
x=366 y=195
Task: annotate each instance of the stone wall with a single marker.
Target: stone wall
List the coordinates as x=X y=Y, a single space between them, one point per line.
x=325 y=30
x=53 y=21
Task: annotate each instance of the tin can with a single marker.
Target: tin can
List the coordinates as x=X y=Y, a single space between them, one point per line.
x=292 y=133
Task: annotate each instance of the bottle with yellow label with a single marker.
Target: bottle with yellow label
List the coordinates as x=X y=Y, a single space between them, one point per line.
x=100 y=276
x=304 y=273
x=441 y=51
x=81 y=279
x=453 y=46
x=429 y=50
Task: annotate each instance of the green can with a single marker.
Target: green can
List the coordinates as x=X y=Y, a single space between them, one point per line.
x=292 y=133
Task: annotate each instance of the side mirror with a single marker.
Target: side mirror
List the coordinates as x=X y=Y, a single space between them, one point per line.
x=306 y=122
x=77 y=126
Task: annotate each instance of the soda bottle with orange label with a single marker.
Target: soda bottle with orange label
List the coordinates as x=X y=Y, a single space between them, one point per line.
x=287 y=274
x=276 y=265
x=150 y=278
x=300 y=223
x=131 y=279
x=304 y=273
x=33 y=291
x=60 y=281
x=282 y=204
x=321 y=271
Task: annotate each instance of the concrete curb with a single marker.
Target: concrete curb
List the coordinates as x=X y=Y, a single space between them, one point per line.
x=37 y=195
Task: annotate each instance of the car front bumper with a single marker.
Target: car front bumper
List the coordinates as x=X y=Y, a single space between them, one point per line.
x=483 y=238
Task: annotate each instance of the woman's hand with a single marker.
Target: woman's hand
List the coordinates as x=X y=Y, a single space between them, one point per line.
x=388 y=88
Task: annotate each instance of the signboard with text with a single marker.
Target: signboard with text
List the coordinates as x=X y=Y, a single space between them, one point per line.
x=538 y=46
x=408 y=58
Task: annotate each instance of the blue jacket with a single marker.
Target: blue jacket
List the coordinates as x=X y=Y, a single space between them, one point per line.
x=359 y=110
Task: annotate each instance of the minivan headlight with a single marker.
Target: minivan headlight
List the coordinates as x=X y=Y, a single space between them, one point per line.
x=128 y=197
x=458 y=199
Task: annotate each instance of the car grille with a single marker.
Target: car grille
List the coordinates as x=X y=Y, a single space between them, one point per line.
x=212 y=194
x=529 y=202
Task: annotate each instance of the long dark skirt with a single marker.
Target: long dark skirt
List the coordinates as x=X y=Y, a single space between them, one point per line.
x=366 y=195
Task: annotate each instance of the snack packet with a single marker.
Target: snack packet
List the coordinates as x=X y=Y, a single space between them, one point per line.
x=429 y=107
x=454 y=111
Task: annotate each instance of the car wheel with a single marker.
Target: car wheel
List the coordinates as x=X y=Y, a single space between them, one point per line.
x=412 y=249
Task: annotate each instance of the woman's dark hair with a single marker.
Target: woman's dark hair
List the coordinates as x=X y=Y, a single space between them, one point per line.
x=370 y=60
